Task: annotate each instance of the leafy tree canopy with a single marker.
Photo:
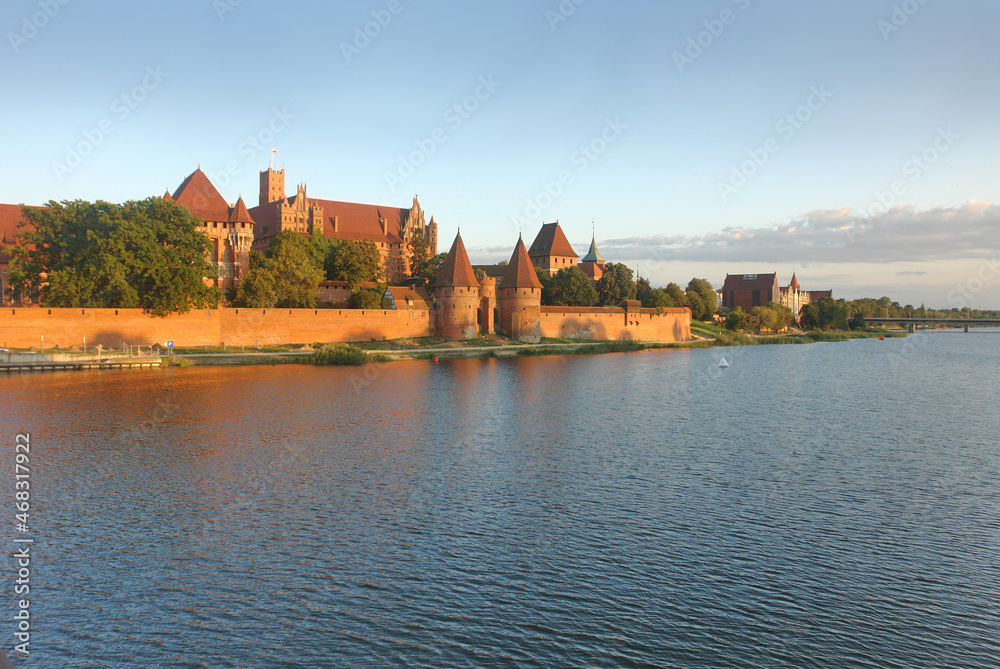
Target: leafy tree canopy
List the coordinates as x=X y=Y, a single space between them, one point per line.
x=366 y=298
x=354 y=262
x=259 y=287
x=570 y=287
x=616 y=285
x=296 y=267
x=146 y=254
x=706 y=302
x=428 y=269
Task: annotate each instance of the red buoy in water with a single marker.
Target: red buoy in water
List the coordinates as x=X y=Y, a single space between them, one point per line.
x=435 y=360
x=881 y=337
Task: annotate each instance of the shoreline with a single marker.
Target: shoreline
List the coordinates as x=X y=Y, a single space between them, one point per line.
x=494 y=349
x=485 y=347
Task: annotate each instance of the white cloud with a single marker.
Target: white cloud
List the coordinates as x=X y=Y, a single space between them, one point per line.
x=832 y=236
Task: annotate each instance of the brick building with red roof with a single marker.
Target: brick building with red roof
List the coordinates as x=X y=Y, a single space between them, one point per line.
x=551 y=251
x=229 y=229
x=10 y=221
x=392 y=229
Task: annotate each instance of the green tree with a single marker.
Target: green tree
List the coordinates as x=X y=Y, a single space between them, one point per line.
x=296 y=270
x=657 y=299
x=546 y=281
x=677 y=294
x=735 y=319
x=706 y=305
x=642 y=289
x=570 y=287
x=809 y=317
x=616 y=285
x=258 y=289
x=420 y=251
x=832 y=314
x=354 y=262
x=428 y=269
x=145 y=254
x=366 y=298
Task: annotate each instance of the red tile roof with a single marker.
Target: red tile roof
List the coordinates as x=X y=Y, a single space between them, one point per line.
x=343 y=220
x=202 y=199
x=240 y=214
x=456 y=271
x=794 y=283
x=409 y=298
x=10 y=218
x=551 y=242
x=520 y=272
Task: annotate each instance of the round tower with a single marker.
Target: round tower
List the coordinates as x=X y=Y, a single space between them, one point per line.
x=487 y=305
x=520 y=299
x=456 y=295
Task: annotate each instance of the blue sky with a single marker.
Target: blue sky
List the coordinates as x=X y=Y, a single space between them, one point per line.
x=699 y=138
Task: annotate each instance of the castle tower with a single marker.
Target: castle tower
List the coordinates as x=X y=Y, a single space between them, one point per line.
x=592 y=264
x=272 y=186
x=456 y=295
x=240 y=228
x=487 y=305
x=520 y=300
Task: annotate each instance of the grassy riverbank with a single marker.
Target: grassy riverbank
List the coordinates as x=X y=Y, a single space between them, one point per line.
x=705 y=335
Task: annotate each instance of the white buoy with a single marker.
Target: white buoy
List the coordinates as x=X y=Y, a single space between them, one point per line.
x=723 y=363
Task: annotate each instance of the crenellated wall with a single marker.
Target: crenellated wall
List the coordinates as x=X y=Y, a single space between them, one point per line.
x=65 y=328
x=608 y=323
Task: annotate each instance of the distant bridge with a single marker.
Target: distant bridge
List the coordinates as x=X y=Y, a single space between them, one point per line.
x=912 y=323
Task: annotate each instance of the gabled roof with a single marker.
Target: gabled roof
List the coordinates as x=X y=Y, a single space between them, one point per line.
x=202 y=199
x=456 y=270
x=409 y=298
x=166 y=196
x=240 y=214
x=520 y=272
x=495 y=271
x=551 y=242
x=593 y=255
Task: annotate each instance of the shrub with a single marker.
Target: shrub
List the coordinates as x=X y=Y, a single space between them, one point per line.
x=337 y=354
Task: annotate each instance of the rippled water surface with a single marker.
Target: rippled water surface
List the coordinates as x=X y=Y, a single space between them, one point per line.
x=831 y=505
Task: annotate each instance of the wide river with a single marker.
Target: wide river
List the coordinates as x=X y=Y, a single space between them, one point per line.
x=829 y=505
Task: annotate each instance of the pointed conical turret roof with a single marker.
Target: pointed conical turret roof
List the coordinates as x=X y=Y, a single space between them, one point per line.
x=593 y=255
x=239 y=213
x=166 y=196
x=551 y=241
x=456 y=270
x=520 y=272
x=794 y=283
